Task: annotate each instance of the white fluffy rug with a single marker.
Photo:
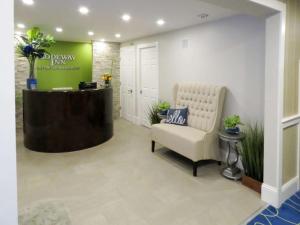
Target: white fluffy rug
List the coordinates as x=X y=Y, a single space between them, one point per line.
x=45 y=213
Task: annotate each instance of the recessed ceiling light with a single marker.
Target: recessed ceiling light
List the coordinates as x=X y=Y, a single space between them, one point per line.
x=160 y=22
x=102 y=40
x=21 y=25
x=28 y=2
x=59 y=29
x=83 y=10
x=18 y=33
x=126 y=17
x=90 y=33
x=117 y=35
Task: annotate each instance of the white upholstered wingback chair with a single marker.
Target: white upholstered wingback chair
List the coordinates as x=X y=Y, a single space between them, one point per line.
x=199 y=140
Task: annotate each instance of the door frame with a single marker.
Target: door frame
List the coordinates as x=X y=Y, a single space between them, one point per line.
x=138 y=77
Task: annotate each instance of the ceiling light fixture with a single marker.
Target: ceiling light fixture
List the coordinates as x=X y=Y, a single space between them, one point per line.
x=21 y=25
x=117 y=35
x=28 y=2
x=126 y=17
x=160 y=22
x=90 y=33
x=83 y=10
x=59 y=29
x=18 y=33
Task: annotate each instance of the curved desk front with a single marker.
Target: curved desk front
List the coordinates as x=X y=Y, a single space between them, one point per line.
x=64 y=121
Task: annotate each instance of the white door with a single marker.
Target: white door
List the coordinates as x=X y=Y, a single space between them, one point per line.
x=147 y=80
x=128 y=86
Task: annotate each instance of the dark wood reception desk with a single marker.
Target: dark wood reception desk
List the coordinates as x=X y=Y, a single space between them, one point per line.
x=64 y=121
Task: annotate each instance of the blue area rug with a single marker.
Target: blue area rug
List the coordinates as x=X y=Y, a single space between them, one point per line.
x=287 y=214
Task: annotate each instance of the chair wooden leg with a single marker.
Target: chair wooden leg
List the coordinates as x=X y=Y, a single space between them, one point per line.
x=152 y=146
x=195 y=167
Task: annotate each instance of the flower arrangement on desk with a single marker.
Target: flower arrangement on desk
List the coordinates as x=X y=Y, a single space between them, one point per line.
x=107 y=79
x=33 y=46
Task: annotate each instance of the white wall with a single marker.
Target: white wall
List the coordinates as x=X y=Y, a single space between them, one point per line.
x=228 y=52
x=8 y=183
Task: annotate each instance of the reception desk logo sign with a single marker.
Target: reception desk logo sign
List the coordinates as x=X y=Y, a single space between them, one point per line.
x=58 y=62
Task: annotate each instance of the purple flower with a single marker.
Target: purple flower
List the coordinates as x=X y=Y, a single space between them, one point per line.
x=28 y=49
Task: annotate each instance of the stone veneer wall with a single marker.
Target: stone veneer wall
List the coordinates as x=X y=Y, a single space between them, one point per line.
x=21 y=74
x=103 y=53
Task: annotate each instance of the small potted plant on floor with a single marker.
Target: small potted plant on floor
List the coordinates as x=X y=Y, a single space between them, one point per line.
x=231 y=124
x=33 y=46
x=252 y=153
x=153 y=116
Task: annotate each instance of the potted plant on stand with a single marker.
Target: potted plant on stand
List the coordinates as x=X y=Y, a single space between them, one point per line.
x=231 y=124
x=252 y=153
x=33 y=46
x=163 y=108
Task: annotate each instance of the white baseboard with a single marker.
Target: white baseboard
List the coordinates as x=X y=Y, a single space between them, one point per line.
x=270 y=195
x=289 y=189
x=133 y=119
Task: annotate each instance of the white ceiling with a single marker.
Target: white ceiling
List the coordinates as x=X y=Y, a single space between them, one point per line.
x=243 y=6
x=104 y=17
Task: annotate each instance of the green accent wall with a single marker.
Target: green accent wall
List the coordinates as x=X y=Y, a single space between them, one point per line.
x=67 y=64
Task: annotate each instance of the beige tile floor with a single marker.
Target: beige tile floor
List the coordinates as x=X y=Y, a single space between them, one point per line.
x=122 y=183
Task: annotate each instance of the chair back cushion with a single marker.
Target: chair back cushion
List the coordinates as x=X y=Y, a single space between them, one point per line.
x=204 y=102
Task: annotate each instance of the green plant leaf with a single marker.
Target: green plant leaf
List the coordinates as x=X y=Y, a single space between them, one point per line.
x=164 y=106
x=252 y=152
x=24 y=39
x=37 y=40
x=33 y=33
x=152 y=114
x=232 y=121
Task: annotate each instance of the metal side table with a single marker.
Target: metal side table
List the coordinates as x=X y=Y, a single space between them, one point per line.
x=231 y=171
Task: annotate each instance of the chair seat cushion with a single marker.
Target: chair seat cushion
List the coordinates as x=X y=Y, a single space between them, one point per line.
x=183 y=139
